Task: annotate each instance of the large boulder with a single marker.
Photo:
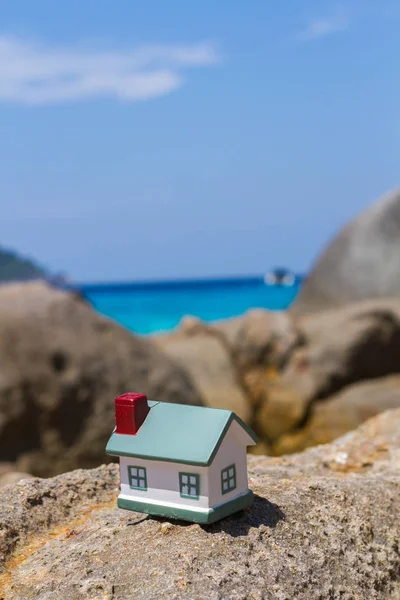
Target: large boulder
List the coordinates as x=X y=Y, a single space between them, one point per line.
x=325 y=524
x=339 y=347
x=226 y=360
x=331 y=351
x=61 y=365
x=362 y=262
x=257 y=337
x=341 y=413
x=277 y=372
x=207 y=360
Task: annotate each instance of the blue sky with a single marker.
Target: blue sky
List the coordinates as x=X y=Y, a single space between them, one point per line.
x=181 y=139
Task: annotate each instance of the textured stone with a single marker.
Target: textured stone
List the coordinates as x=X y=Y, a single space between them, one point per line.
x=284 y=369
x=232 y=362
x=340 y=347
x=206 y=357
x=282 y=410
x=342 y=412
x=258 y=337
x=324 y=526
x=362 y=262
x=331 y=351
x=62 y=364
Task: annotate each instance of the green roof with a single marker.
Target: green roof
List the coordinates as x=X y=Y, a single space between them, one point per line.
x=178 y=433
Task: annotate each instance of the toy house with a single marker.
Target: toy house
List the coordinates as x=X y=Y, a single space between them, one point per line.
x=179 y=461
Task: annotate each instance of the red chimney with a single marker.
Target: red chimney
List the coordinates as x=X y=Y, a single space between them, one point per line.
x=131 y=411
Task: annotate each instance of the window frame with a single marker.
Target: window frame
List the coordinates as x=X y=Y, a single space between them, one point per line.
x=138 y=477
x=228 y=479
x=189 y=485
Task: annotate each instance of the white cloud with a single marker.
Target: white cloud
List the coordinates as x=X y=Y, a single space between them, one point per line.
x=323 y=27
x=32 y=73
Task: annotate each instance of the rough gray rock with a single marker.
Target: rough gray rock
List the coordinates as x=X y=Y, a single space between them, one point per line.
x=331 y=351
x=227 y=359
x=277 y=371
x=61 y=365
x=207 y=359
x=362 y=262
x=34 y=507
x=257 y=337
x=339 y=347
x=324 y=526
x=342 y=412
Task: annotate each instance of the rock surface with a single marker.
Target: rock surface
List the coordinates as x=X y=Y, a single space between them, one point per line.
x=281 y=373
x=343 y=412
x=339 y=347
x=324 y=525
x=232 y=362
x=362 y=262
x=333 y=350
x=205 y=357
x=62 y=364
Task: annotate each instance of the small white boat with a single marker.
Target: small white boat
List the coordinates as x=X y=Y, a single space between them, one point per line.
x=279 y=277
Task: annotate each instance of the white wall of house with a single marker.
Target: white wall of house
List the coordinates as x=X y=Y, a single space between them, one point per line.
x=232 y=451
x=163 y=477
x=163 y=483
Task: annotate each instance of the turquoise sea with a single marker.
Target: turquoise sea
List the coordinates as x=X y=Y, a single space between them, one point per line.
x=151 y=307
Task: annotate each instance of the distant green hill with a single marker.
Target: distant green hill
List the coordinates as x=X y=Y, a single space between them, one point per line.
x=17 y=268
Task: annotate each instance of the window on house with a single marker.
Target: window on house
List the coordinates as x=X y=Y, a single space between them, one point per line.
x=228 y=479
x=189 y=485
x=137 y=478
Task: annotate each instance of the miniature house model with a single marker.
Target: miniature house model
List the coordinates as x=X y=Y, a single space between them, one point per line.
x=179 y=461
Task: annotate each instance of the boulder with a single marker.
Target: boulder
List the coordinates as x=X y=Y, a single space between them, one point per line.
x=340 y=347
x=205 y=356
x=258 y=337
x=229 y=360
x=331 y=351
x=277 y=371
x=341 y=413
x=362 y=262
x=62 y=364
x=324 y=524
